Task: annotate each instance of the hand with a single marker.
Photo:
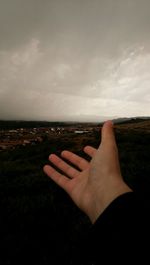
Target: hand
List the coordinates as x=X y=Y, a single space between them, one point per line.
x=98 y=182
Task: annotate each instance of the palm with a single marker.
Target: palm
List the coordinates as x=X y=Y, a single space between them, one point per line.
x=74 y=182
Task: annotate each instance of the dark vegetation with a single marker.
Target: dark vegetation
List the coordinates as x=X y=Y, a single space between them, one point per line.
x=39 y=224
x=26 y=124
x=9 y=125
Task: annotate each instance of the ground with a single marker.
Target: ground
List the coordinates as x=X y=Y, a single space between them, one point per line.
x=39 y=224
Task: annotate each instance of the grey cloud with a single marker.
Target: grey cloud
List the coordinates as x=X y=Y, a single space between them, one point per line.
x=83 y=24
x=65 y=56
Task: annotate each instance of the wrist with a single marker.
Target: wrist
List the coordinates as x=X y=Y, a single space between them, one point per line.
x=102 y=201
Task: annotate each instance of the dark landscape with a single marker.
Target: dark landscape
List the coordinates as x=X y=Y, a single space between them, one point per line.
x=39 y=224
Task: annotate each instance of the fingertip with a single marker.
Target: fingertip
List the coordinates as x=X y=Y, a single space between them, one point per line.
x=51 y=156
x=63 y=152
x=85 y=148
x=108 y=132
x=107 y=126
x=109 y=123
x=44 y=168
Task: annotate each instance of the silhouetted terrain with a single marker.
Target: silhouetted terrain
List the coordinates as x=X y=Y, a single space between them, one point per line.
x=39 y=224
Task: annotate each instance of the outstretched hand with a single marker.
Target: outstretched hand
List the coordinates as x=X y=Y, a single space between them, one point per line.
x=98 y=182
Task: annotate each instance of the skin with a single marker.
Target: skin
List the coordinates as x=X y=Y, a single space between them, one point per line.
x=98 y=182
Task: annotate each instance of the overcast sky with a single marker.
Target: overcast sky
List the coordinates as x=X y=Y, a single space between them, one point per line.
x=74 y=59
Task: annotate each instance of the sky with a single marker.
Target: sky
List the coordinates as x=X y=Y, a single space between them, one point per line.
x=74 y=59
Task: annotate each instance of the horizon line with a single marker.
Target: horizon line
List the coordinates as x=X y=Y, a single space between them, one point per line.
x=79 y=121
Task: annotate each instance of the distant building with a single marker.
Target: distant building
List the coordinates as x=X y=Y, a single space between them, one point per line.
x=26 y=142
x=80 y=132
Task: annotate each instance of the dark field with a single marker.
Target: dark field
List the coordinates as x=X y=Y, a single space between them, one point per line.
x=39 y=224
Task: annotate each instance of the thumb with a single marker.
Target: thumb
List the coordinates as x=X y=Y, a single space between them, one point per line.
x=108 y=136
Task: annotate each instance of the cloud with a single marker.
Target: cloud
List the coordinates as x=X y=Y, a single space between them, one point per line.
x=74 y=58
x=127 y=77
x=33 y=86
